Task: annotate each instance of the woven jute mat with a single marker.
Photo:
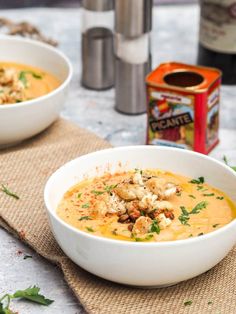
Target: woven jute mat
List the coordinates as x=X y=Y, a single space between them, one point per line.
x=26 y=168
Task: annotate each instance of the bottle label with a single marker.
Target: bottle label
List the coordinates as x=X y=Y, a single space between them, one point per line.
x=218 y=25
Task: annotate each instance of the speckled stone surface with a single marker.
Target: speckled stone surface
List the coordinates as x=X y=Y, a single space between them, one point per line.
x=174 y=38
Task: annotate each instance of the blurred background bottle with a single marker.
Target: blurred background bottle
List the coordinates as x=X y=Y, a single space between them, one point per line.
x=97 y=44
x=217 y=37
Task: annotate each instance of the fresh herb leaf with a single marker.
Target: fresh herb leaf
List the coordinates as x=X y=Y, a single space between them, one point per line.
x=142 y=213
x=189 y=302
x=147 y=238
x=184 y=217
x=220 y=198
x=90 y=229
x=79 y=195
x=178 y=194
x=85 y=218
x=22 y=78
x=27 y=256
x=86 y=205
x=199 y=207
x=199 y=187
x=215 y=225
x=109 y=188
x=192 y=196
x=32 y=294
x=209 y=302
x=155 y=227
x=209 y=194
x=97 y=192
x=200 y=234
x=190 y=236
x=200 y=180
x=8 y=192
x=226 y=162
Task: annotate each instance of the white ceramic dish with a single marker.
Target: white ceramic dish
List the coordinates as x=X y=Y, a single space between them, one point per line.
x=23 y=120
x=135 y=263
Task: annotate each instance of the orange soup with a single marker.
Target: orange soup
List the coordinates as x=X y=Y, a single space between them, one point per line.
x=19 y=82
x=146 y=205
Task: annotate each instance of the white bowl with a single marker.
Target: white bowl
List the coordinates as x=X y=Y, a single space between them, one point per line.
x=23 y=120
x=135 y=263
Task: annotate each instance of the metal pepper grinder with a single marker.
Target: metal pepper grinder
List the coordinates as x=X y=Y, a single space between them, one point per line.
x=97 y=44
x=133 y=23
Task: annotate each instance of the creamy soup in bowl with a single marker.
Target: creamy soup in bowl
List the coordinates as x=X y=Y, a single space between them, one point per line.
x=144 y=216
x=146 y=205
x=21 y=82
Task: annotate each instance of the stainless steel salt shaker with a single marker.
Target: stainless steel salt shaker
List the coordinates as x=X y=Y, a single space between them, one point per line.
x=97 y=44
x=133 y=23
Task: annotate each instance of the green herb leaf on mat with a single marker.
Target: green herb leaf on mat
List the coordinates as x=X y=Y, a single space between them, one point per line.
x=187 y=303
x=6 y=190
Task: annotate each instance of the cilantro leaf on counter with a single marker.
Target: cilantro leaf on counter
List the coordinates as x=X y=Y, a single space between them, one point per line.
x=29 y=294
x=32 y=294
x=6 y=190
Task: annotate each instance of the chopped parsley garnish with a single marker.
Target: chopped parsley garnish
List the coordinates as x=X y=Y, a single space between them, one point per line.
x=90 y=229
x=187 y=303
x=184 y=217
x=85 y=218
x=209 y=302
x=208 y=194
x=178 y=194
x=215 y=225
x=192 y=196
x=79 y=195
x=29 y=294
x=200 y=180
x=148 y=237
x=190 y=236
x=97 y=192
x=155 y=227
x=138 y=171
x=220 y=198
x=22 y=76
x=200 y=187
x=142 y=213
x=86 y=205
x=109 y=188
x=200 y=234
x=8 y=192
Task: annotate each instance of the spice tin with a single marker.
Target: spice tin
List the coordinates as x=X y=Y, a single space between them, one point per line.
x=183 y=106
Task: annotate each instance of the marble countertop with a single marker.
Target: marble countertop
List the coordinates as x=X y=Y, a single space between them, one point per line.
x=174 y=37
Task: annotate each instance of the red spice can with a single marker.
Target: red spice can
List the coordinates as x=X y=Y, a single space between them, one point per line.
x=183 y=106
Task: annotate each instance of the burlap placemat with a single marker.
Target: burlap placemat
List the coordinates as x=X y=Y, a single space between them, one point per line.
x=26 y=168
